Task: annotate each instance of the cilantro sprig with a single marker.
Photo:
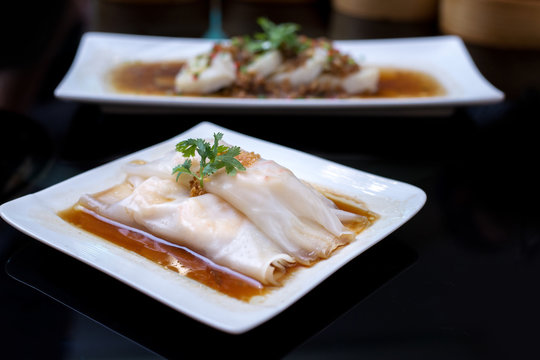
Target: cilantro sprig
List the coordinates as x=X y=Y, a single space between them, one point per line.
x=275 y=37
x=213 y=158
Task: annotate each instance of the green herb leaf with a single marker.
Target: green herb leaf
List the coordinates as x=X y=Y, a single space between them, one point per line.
x=213 y=158
x=283 y=36
x=185 y=168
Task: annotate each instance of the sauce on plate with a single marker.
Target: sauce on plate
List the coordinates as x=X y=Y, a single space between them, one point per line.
x=157 y=78
x=183 y=260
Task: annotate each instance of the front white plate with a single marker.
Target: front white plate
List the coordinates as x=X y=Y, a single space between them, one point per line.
x=444 y=57
x=36 y=215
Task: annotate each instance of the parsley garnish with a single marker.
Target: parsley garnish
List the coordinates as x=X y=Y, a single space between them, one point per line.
x=275 y=37
x=213 y=158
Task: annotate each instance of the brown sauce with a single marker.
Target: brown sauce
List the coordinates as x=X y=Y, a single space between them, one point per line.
x=171 y=256
x=395 y=83
x=181 y=259
x=157 y=78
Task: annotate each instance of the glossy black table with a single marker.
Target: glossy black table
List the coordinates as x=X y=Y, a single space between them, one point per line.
x=460 y=280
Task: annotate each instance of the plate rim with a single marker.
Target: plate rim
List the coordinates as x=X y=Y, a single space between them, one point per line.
x=10 y=213
x=490 y=94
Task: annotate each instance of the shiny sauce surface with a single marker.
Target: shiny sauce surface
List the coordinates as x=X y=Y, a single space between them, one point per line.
x=157 y=78
x=169 y=255
x=181 y=259
x=153 y=78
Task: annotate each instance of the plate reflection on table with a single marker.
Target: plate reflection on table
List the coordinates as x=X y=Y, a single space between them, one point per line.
x=167 y=332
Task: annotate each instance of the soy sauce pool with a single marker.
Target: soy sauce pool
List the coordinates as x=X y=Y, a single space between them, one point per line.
x=157 y=78
x=171 y=256
x=187 y=262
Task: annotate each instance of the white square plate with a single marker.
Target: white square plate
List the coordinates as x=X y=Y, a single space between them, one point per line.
x=444 y=57
x=36 y=215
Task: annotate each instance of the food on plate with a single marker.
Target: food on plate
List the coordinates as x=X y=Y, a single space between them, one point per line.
x=204 y=223
x=275 y=63
x=243 y=213
x=206 y=73
x=274 y=60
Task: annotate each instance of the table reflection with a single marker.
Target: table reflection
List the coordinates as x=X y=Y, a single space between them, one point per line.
x=457 y=281
x=167 y=332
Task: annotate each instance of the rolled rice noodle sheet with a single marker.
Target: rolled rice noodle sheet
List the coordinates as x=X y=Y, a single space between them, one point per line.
x=205 y=224
x=296 y=217
x=161 y=167
x=265 y=64
x=303 y=222
x=202 y=76
x=112 y=203
x=305 y=73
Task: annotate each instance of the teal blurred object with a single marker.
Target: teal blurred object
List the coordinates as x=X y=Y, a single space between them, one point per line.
x=215 y=29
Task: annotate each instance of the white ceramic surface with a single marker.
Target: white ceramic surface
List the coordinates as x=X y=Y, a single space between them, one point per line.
x=444 y=57
x=36 y=215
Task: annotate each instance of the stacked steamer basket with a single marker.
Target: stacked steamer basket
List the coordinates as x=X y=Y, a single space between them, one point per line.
x=392 y=10
x=503 y=37
x=368 y=19
x=510 y=24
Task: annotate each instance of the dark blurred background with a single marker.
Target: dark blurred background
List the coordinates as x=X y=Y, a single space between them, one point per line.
x=460 y=280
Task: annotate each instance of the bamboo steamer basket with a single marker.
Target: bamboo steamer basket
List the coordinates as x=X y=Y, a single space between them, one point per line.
x=391 y=10
x=186 y=18
x=510 y=24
